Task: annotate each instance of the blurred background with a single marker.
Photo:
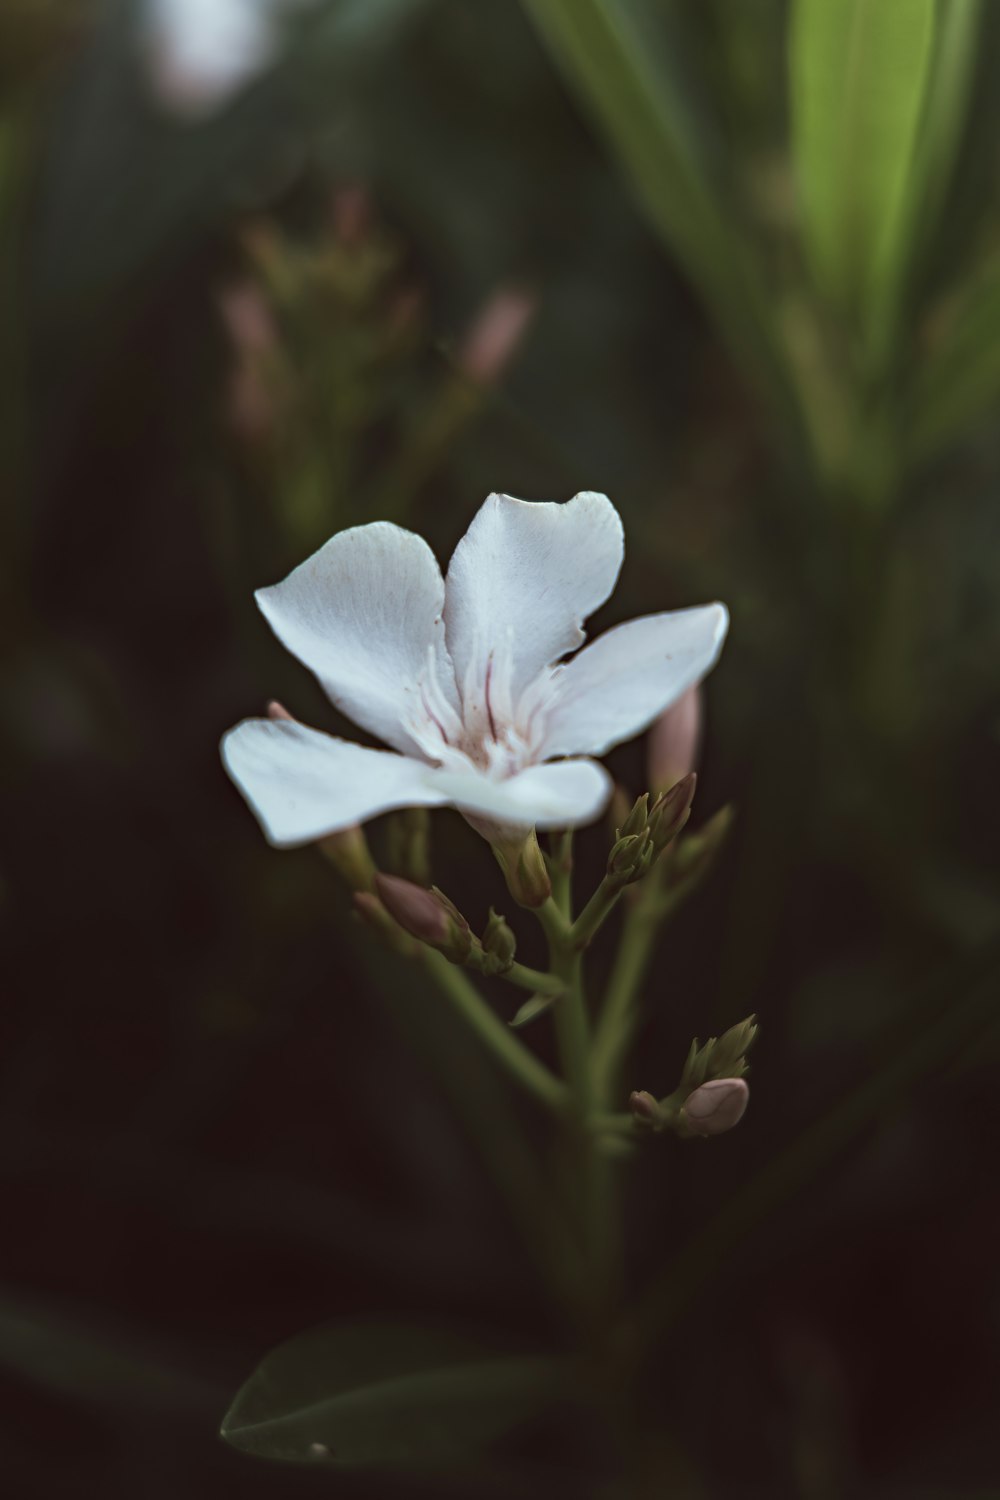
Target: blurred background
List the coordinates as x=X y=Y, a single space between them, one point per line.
x=270 y=269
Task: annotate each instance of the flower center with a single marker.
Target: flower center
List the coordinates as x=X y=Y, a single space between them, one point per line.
x=496 y=731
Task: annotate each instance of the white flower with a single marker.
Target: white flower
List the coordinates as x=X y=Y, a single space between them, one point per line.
x=202 y=52
x=465 y=677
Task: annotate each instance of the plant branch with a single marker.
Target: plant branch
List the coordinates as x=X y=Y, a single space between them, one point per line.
x=618 y=1019
x=601 y=904
x=510 y=1052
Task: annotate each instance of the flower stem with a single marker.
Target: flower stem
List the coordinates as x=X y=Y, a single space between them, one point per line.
x=616 y=1026
x=534 y=979
x=601 y=904
x=506 y=1047
x=526 y=979
x=560 y=863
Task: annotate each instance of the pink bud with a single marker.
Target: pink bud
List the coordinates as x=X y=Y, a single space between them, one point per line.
x=247 y=317
x=675 y=740
x=716 y=1106
x=276 y=710
x=427 y=915
x=416 y=910
x=492 y=340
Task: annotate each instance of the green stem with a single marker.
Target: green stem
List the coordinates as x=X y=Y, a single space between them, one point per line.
x=601 y=904
x=556 y=928
x=502 y=1042
x=560 y=863
x=573 y=1030
x=535 y=980
x=591 y=1182
x=619 y=1015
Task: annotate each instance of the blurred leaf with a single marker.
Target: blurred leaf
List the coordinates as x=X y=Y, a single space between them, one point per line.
x=958 y=379
x=64 y=1354
x=957 y=32
x=376 y=1393
x=637 y=101
x=858 y=76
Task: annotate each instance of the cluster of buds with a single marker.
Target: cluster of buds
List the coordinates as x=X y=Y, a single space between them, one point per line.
x=429 y=916
x=712 y=1095
x=426 y=915
x=647 y=831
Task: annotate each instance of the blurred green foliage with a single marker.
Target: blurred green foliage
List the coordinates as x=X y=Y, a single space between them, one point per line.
x=745 y=256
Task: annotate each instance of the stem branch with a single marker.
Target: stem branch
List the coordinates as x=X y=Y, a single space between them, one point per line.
x=506 y=1047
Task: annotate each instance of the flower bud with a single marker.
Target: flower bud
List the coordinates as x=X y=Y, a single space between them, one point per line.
x=374 y=915
x=675 y=739
x=646 y=1111
x=427 y=915
x=493 y=340
x=630 y=858
x=720 y=1057
x=499 y=945
x=715 y=1107
x=635 y=821
x=525 y=870
x=671 y=811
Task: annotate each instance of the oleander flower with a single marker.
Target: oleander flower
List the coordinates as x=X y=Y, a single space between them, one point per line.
x=470 y=678
x=201 y=53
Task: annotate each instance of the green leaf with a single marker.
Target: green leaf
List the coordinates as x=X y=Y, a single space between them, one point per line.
x=858 y=77
x=618 y=58
x=532 y=1009
x=949 y=92
x=957 y=379
x=360 y=1394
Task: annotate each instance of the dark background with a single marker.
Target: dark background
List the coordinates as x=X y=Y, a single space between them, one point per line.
x=225 y=1114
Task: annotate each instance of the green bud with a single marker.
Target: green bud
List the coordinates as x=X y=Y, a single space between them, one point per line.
x=637 y=817
x=720 y=1057
x=647 y=1112
x=630 y=858
x=427 y=915
x=671 y=811
x=499 y=945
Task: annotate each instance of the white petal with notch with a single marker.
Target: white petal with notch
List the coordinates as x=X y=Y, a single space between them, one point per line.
x=364 y=613
x=618 y=685
x=524 y=578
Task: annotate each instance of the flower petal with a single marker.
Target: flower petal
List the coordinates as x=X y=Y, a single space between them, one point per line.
x=364 y=613
x=563 y=794
x=523 y=578
x=303 y=784
x=618 y=685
